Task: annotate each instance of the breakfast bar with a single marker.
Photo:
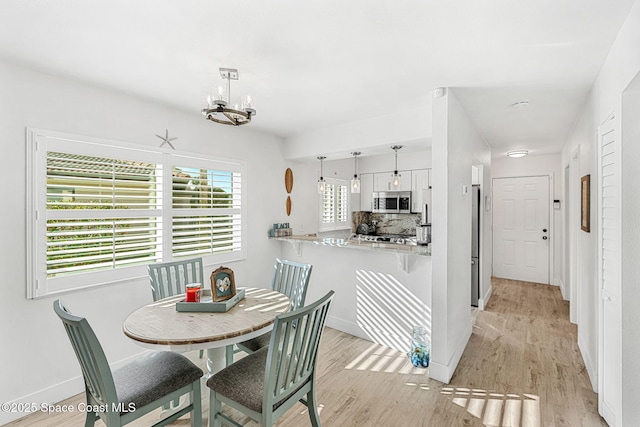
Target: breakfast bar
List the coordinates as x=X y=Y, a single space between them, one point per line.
x=382 y=289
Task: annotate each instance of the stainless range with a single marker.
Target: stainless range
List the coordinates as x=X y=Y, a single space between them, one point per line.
x=398 y=239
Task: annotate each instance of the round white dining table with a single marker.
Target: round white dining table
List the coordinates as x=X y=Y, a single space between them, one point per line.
x=159 y=326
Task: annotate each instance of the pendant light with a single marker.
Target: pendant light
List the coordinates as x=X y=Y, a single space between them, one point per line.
x=395 y=176
x=355 y=182
x=321 y=181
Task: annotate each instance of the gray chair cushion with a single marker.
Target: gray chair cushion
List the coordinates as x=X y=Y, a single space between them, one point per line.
x=243 y=381
x=153 y=376
x=255 y=344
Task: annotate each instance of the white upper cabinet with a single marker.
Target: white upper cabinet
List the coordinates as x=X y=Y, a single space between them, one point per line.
x=366 y=192
x=420 y=189
x=382 y=181
x=417 y=181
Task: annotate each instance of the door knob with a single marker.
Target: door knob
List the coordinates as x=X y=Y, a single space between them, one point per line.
x=544 y=230
x=544 y=237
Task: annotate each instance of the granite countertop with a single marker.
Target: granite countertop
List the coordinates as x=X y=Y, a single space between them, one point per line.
x=409 y=249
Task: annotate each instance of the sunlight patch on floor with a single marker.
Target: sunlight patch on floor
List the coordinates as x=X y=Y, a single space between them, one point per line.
x=380 y=358
x=497 y=409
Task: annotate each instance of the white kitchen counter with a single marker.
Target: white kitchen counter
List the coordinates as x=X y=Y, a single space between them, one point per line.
x=410 y=249
x=381 y=290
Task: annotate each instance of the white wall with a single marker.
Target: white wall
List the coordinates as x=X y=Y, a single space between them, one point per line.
x=37 y=363
x=619 y=69
x=456 y=147
x=412 y=126
x=534 y=166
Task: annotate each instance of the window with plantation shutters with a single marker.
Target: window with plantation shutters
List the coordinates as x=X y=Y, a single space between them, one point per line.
x=334 y=205
x=206 y=206
x=101 y=211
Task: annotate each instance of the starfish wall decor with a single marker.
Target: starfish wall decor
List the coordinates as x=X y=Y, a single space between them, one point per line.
x=166 y=140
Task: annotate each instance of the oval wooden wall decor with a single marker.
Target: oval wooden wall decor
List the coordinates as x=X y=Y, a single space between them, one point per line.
x=288 y=205
x=288 y=180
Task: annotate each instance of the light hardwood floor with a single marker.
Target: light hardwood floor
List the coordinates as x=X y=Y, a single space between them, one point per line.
x=522 y=367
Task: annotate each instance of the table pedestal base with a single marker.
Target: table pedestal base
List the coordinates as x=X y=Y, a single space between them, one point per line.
x=216 y=360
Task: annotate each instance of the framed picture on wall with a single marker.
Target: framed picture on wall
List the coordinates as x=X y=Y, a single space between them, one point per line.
x=585 y=203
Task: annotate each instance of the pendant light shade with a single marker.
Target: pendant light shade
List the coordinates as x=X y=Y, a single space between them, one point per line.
x=395 y=176
x=355 y=182
x=321 y=181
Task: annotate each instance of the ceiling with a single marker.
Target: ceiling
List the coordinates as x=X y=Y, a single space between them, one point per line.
x=316 y=64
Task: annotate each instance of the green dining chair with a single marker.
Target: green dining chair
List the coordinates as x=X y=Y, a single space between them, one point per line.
x=137 y=388
x=171 y=278
x=290 y=278
x=267 y=383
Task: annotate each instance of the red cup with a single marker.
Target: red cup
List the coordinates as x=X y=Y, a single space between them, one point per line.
x=193 y=292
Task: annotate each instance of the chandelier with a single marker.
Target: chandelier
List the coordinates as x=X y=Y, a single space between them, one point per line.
x=218 y=105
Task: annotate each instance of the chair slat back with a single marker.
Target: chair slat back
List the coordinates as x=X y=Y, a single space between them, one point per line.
x=170 y=278
x=293 y=349
x=292 y=279
x=95 y=367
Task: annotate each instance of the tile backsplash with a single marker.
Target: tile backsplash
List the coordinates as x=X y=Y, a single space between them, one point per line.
x=387 y=223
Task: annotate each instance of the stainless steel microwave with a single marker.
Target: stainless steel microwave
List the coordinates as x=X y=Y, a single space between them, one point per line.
x=392 y=202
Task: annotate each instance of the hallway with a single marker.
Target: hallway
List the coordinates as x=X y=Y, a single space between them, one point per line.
x=524 y=347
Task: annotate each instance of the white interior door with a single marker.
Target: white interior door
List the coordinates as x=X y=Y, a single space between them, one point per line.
x=521 y=232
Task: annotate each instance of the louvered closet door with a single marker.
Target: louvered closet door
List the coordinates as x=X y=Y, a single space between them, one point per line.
x=609 y=254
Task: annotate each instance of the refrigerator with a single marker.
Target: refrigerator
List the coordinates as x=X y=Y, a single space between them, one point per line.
x=475 y=245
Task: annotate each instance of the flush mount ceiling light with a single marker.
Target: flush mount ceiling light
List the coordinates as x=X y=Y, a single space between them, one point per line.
x=218 y=105
x=355 y=182
x=321 y=181
x=395 y=176
x=517 y=153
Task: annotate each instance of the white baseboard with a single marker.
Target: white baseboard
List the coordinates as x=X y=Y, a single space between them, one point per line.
x=346 y=326
x=385 y=338
x=482 y=302
x=563 y=290
x=591 y=370
x=52 y=394
x=443 y=373
x=46 y=396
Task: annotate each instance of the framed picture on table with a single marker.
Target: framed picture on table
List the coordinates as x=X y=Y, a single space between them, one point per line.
x=223 y=284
